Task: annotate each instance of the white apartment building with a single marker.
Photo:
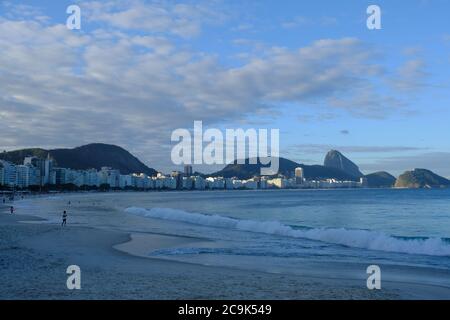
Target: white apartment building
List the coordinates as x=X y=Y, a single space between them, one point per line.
x=125 y=181
x=187 y=183
x=170 y=183
x=91 y=178
x=251 y=184
x=237 y=184
x=199 y=183
x=9 y=173
x=279 y=183
x=229 y=184
x=23 y=176
x=215 y=183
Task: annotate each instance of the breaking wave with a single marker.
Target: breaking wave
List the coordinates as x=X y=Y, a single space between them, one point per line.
x=364 y=239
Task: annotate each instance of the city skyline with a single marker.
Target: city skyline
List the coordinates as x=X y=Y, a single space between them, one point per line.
x=36 y=173
x=139 y=69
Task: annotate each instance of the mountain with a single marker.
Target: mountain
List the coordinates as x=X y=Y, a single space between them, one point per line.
x=335 y=159
x=286 y=168
x=421 y=178
x=380 y=179
x=95 y=155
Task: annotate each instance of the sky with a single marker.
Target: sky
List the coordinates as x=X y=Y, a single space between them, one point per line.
x=137 y=70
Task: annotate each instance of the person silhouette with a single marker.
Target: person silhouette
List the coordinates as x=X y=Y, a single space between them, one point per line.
x=64 y=219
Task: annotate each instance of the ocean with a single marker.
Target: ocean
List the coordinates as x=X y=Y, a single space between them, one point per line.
x=337 y=233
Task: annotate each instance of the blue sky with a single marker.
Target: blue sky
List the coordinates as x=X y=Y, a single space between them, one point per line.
x=139 y=69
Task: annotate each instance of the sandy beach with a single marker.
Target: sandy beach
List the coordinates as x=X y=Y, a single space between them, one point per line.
x=34 y=257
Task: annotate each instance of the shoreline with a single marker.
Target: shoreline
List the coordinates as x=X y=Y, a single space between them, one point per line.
x=80 y=192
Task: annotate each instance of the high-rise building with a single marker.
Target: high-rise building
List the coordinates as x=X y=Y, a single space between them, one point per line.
x=2 y=174
x=363 y=182
x=178 y=176
x=61 y=174
x=47 y=171
x=45 y=167
x=23 y=176
x=187 y=170
x=9 y=173
x=299 y=176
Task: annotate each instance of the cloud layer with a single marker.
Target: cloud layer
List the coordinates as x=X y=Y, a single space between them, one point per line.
x=125 y=79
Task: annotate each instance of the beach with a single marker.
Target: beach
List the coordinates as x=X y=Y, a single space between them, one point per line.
x=115 y=264
x=34 y=258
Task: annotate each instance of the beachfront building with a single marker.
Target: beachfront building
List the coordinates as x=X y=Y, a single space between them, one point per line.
x=178 y=176
x=158 y=183
x=47 y=170
x=250 y=184
x=60 y=175
x=91 y=178
x=170 y=183
x=40 y=172
x=109 y=176
x=125 y=181
x=199 y=183
x=299 y=175
x=74 y=177
x=187 y=183
x=9 y=173
x=229 y=183
x=45 y=167
x=237 y=184
x=2 y=174
x=113 y=178
x=23 y=175
x=142 y=181
x=278 y=183
x=363 y=182
x=215 y=183
x=187 y=170
x=263 y=183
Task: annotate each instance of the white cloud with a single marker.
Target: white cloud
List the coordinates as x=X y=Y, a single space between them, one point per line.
x=64 y=88
x=411 y=75
x=184 y=20
x=435 y=161
x=323 y=148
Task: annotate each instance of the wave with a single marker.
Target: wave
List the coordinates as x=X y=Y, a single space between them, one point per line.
x=363 y=239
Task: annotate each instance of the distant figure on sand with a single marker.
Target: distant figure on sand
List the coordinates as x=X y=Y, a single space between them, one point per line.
x=4 y=200
x=64 y=219
x=11 y=209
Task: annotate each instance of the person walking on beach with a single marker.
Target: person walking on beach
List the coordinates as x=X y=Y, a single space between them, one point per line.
x=64 y=219
x=11 y=209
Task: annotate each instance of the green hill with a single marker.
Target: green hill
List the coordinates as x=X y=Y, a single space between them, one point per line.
x=286 y=168
x=380 y=179
x=335 y=159
x=95 y=155
x=421 y=178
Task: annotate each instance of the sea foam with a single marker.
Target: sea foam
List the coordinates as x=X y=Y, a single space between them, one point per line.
x=364 y=239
